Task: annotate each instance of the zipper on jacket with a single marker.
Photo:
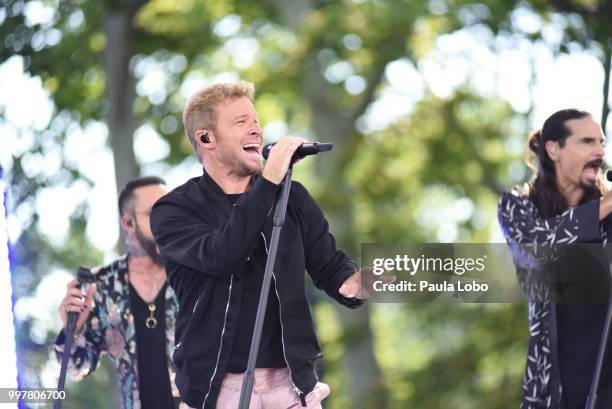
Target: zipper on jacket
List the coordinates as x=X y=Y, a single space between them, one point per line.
x=229 y=296
x=297 y=390
x=196 y=304
x=192 y=312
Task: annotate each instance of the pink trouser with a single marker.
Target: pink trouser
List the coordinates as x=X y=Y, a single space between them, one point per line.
x=272 y=390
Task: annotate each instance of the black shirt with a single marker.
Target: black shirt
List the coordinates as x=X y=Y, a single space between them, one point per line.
x=270 y=347
x=154 y=385
x=580 y=327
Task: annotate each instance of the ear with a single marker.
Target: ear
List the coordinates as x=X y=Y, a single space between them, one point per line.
x=552 y=150
x=202 y=135
x=127 y=224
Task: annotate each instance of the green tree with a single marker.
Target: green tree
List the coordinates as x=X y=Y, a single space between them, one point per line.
x=320 y=67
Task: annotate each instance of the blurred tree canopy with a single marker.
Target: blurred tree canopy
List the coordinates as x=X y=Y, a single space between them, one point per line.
x=410 y=163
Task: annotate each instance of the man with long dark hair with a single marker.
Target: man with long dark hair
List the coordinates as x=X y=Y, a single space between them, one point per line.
x=566 y=202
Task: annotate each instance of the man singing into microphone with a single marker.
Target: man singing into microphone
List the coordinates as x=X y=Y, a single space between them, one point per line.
x=129 y=313
x=214 y=235
x=566 y=202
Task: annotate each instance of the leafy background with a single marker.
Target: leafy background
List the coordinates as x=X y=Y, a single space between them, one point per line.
x=410 y=93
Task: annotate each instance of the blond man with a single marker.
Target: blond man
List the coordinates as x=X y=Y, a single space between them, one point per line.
x=214 y=233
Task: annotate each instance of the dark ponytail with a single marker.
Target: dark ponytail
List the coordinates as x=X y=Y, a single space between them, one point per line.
x=534 y=141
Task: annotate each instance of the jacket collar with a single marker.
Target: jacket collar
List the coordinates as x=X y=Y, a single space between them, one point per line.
x=210 y=187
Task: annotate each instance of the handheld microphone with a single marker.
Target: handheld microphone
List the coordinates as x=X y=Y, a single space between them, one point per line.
x=303 y=151
x=84 y=275
x=609 y=175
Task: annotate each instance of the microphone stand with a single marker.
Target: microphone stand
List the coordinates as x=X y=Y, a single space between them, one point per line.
x=592 y=398
x=69 y=333
x=591 y=402
x=279 y=218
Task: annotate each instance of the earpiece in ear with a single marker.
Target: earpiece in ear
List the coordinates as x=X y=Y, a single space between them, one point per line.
x=204 y=138
x=553 y=150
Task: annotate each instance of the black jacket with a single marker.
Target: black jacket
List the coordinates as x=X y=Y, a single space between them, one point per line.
x=206 y=243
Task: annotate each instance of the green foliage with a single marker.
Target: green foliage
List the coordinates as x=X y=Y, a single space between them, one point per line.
x=450 y=149
x=402 y=183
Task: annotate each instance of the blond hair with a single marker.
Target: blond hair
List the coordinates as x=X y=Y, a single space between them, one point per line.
x=200 y=111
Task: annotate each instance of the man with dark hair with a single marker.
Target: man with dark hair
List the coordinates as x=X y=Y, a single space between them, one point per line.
x=566 y=202
x=129 y=312
x=127 y=196
x=214 y=235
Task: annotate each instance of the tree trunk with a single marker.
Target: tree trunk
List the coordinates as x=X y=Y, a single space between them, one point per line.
x=605 y=111
x=331 y=124
x=120 y=92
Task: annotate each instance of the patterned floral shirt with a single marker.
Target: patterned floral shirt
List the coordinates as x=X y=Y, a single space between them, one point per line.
x=110 y=330
x=531 y=238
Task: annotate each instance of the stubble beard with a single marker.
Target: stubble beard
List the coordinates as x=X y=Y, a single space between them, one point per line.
x=590 y=188
x=149 y=247
x=246 y=169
